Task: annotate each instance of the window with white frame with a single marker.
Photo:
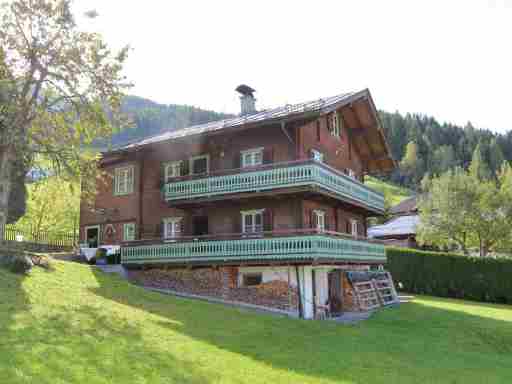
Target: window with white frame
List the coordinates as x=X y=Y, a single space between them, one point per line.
x=335 y=124
x=172 y=227
x=354 y=227
x=351 y=173
x=317 y=155
x=129 y=231
x=319 y=219
x=123 y=180
x=252 y=157
x=171 y=170
x=252 y=221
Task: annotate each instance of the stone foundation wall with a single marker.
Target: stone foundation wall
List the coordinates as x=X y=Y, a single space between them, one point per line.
x=220 y=283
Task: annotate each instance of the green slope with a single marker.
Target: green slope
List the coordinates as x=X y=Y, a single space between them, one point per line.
x=393 y=193
x=78 y=325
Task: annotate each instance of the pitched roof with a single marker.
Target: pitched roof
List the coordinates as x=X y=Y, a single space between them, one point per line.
x=406 y=206
x=258 y=117
x=402 y=225
x=372 y=143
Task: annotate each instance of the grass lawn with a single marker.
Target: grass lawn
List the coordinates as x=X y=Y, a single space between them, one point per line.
x=394 y=193
x=78 y=325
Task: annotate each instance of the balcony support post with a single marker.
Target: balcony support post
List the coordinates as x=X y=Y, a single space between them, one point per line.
x=305 y=274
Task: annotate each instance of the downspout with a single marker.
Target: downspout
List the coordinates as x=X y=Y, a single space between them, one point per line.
x=301 y=310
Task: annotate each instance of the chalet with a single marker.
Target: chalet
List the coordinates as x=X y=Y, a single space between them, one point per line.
x=268 y=208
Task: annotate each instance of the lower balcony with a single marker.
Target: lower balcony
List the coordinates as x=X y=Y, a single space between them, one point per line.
x=298 y=246
x=308 y=175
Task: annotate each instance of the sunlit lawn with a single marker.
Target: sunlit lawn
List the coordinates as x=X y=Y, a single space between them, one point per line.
x=77 y=325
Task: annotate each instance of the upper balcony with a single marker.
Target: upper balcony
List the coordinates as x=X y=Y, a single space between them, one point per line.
x=307 y=175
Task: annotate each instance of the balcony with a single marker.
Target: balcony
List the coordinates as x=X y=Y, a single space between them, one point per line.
x=308 y=174
x=296 y=246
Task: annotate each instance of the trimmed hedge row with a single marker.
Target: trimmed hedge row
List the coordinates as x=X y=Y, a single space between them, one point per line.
x=451 y=275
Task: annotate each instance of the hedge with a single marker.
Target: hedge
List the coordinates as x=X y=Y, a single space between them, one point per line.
x=451 y=275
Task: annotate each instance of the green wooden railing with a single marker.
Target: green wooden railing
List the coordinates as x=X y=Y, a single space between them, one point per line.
x=301 y=247
x=277 y=176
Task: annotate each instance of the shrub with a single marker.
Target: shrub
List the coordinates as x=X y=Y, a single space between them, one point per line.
x=451 y=275
x=114 y=258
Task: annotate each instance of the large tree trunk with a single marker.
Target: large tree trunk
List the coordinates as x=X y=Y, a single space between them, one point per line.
x=5 y=189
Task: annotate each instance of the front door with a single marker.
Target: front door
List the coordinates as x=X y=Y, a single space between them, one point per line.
x=335 y=292
x=92 y=235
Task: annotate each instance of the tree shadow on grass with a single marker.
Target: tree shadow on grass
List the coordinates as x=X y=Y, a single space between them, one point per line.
x=85 y=346
x=413 y=343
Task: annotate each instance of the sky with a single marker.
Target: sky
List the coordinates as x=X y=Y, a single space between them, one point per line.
x=448 y=59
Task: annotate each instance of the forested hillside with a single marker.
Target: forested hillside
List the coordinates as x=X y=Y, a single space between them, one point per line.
x=423 y=145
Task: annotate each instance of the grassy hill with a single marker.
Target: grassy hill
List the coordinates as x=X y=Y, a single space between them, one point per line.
x=395 y=194
x=78 y=325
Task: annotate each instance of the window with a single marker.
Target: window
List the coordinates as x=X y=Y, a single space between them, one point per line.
x=172 y=227
x=354 y=227
x=335 y=124
x=199 y=164
x=252 y=279
x=351 y=173
x=319 y=219
x=129 y=231
x=171 y=170
x=252 y=221
x=123 y=180
x=252 y=157
x=317 y=155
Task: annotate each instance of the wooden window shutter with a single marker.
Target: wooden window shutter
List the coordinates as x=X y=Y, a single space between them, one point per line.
x=327 y=222
x=330 y=222
x=348 y=228
x=311 y=215
x=268 y=155
x=162 y=175
x=237 y=160
x=268 y=224
x=238 y=223
x=184 y=168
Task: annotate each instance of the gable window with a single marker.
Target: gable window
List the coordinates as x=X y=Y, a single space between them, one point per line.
x=252 y=157
x=317 y=155
x=172 y=227
x=129 y=231
x=123 y=180
x=172 y=170
x=335 y=125
x=354 y=227
x=319 y=220
x=252 y=279
x=252 y=221
x=199 y=164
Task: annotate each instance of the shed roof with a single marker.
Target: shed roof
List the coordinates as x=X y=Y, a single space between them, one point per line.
x=402 y=225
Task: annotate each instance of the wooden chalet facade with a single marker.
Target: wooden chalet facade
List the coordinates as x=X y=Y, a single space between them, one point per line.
x=264 y=200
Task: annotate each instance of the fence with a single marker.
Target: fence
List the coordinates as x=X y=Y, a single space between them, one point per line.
x=40 y=240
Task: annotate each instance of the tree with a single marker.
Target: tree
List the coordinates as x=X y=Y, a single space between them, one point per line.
x=412 y=163
x=496 y=157
x=461 y=208
x=53 y=206
x=478 y=167
x=62 y=89
x=443 y=159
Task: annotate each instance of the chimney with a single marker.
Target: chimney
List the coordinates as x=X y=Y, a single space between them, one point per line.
x=247 y=100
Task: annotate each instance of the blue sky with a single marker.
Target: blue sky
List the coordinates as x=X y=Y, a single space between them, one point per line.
x=450 y=59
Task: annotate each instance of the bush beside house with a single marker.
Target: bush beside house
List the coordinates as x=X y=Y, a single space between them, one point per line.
x=451 y=275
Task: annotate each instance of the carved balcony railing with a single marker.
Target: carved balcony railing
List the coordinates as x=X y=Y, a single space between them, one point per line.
x=297 y=246
x=271 y=177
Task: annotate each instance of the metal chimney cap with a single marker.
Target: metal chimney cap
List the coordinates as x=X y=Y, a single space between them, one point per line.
x=245 y=90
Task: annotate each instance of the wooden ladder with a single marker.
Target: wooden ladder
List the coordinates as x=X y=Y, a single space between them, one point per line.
x=386 y=291
x=366 y=295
